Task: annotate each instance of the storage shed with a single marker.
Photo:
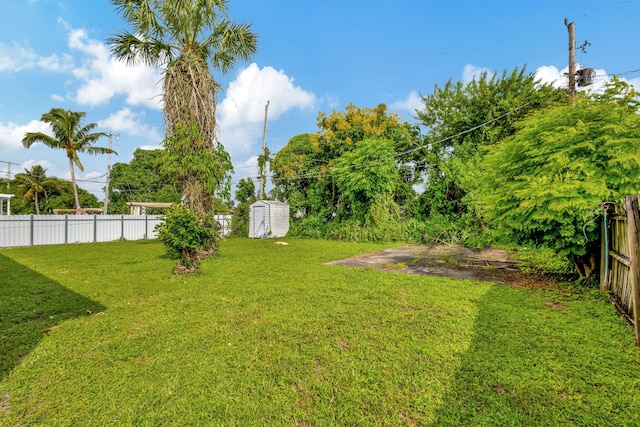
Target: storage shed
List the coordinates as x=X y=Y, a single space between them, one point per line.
x=268 y=218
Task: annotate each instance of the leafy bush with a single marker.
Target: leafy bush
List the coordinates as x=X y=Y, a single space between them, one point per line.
x=309 y=227
x=541 y=185
x=187 y=238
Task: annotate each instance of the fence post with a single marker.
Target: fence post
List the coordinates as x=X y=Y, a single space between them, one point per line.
x=95 y=228
x=604 y=275
x=633 y=221
x=66 y=229
x=121 y=227
x=31 y=229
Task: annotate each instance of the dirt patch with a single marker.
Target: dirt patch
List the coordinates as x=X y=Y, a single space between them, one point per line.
x=489 y=264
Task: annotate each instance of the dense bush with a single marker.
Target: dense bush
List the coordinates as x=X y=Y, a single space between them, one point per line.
x=187 y=237
x=542 y=185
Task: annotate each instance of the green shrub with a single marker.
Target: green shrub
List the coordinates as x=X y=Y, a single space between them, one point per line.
x=309 y=227
x=187 y=238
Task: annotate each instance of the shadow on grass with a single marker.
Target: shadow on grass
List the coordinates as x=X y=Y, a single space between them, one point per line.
x=29 y=304
x=536 y=360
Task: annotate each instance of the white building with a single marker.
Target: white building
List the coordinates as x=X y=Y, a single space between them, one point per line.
x=268 y=218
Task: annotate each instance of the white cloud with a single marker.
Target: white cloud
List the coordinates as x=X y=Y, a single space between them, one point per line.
x=11 y=134
x=14 y=57
x=471 y=72
x=247 y=168
x=558 y=78
x=331 y=100
x=411 y=104
x=93 y=182
x=241 y=112
x=104 y=77
x=549 y=74
x=28 y=164
x=151 y=147
x=128 y=122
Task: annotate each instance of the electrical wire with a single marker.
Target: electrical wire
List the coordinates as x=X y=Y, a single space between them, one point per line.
x=403 y=153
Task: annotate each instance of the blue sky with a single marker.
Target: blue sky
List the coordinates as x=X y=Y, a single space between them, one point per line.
x=312 y=57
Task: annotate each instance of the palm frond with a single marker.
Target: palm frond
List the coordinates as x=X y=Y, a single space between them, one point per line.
x=141 y=15
x=135 y=50
x=229 y=43
x=31 y=138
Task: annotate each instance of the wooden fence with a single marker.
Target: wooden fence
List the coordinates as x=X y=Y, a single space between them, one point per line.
x=619 y=261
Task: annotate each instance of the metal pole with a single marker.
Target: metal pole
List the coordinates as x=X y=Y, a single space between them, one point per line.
x=9 y=169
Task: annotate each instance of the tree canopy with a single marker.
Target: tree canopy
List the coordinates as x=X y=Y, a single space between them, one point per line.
x=461 y=117
x=542 y=184
x=142 y=180
x=33 y=184
x=355 y=157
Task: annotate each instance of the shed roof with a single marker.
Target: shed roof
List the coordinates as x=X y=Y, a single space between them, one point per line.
x=270 y=202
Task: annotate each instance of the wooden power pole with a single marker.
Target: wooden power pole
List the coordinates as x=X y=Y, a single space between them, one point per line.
x=106 y=187
x=9 y=170
x=263 y=178
x=571 y=27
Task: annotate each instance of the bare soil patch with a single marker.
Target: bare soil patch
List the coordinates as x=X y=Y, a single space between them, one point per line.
x=488 y=264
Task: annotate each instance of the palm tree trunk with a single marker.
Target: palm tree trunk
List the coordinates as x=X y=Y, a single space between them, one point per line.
x=73 y=185
x=35 y=199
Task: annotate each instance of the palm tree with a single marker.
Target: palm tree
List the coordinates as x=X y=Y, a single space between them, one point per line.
x=183 y=37
x=32 y=183
x=71 y=136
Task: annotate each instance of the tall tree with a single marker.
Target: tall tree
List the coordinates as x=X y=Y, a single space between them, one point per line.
x=245 y=195
x=184 y=37
x=461 y=117
x=33 y=183
x=70 y=135
x=303 y=168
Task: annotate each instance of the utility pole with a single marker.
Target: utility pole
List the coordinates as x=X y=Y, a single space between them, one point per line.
x=106 y=188
x=571 y=27
x=264 y=153
x=9 y=169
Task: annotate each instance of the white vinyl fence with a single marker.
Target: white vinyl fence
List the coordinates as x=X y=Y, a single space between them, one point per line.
x=32 y=230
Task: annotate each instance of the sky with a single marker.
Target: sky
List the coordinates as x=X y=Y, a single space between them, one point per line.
x=312 y=57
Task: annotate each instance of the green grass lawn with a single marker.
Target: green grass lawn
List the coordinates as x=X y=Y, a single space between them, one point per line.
x=270 y=335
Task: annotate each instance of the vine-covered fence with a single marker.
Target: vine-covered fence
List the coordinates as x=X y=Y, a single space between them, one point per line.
x=619 y=261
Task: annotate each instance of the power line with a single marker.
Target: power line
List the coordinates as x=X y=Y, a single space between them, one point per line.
x=412 y=150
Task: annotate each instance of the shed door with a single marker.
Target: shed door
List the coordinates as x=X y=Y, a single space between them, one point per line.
x=259 y=226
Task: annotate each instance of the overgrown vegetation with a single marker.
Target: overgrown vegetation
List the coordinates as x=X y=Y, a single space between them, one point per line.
x=142 y=180
x=504 y=160
x=245 y=196
x=187 y=238
x=298 y=343
x=542 y=185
